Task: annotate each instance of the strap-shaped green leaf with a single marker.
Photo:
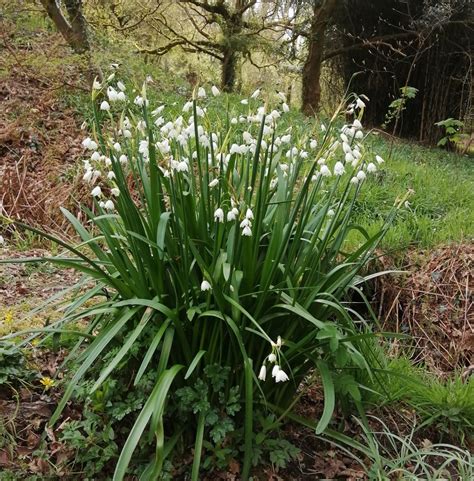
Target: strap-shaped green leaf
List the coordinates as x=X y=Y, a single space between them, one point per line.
x=154 y=304
x=124 y=349
x=93 y=352
x=151 y=350
x=155 y=402
x=329 y=397
x=198 y=447
x=194 y=363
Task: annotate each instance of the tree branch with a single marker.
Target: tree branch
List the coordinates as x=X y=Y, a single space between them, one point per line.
x=246 y=6
x=382 y=40
x=219 y=8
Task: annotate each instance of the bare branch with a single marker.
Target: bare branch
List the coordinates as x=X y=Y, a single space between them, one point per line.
x=246 y=6
x=382 y=40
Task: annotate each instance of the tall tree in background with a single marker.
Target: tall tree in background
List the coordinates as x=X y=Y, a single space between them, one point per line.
x=322 y=12
x=73 y=28
x=223 y=29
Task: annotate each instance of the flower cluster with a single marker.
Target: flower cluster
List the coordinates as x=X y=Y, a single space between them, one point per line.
x=113 y=94
x=274 y=358
x=246 y=224
x=175 y=136
x=93 y=174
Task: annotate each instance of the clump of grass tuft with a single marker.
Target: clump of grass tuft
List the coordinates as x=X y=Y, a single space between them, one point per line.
x=446 y=404
x=393 y=456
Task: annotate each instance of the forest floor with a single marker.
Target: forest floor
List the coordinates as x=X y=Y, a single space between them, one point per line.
x=39 y=151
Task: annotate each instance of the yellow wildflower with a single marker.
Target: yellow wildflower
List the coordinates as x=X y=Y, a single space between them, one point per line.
x=9 y=317
x=47 y=382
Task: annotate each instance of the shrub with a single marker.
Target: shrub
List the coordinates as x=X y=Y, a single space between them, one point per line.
x=453 y=132
x=217 y=250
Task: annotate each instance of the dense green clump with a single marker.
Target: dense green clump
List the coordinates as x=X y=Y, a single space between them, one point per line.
x=217 y=251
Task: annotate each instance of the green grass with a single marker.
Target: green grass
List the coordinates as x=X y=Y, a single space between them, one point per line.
x=442 y=206
x=401 y=456
x=444 y=404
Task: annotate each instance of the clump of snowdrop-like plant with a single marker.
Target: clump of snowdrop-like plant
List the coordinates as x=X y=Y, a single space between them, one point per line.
x=217 y=243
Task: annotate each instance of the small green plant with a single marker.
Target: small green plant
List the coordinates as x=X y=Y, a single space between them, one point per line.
x=106 y=418
x=396 y=107
x=208 y=398
x=13 y=368
x=217 y=257
x=453 y=132
x=385 y=455
x=93 y=442
x=107 y=414
x=394 y=456
x=445 y=404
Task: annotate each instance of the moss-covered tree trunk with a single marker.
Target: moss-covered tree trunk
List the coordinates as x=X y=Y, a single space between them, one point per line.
x=73 y=29
x=229 y=67
x=231 y=49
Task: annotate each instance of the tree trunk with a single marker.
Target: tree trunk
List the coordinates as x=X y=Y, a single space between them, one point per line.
x=311 y=88
x=74 y=31
x=78 y=23
x=229 y=66
x=231 y=31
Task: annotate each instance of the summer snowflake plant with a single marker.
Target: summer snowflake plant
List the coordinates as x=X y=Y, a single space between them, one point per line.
x=217 y=240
